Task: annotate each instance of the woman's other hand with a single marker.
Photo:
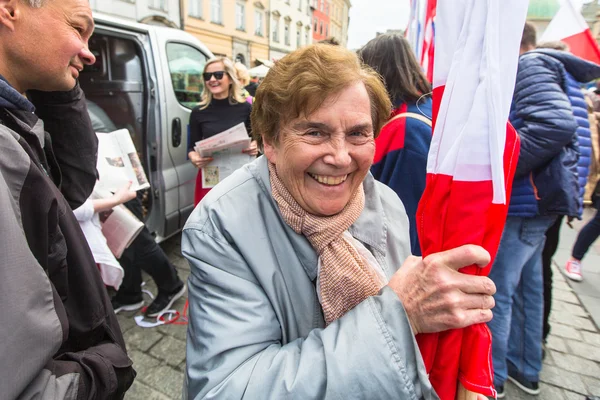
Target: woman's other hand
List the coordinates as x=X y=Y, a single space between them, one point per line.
x=252 y=150
x=437 y=297
x=124 y=194
x=197 y=160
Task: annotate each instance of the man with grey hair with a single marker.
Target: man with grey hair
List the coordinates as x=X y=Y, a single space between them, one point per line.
x=60 y=336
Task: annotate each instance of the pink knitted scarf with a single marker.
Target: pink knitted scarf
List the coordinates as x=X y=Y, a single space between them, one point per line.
x=345 y=278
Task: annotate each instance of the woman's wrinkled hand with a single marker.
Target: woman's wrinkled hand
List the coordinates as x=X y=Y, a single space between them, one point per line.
x=252 y=150
x=437 y=297
x=197 y=160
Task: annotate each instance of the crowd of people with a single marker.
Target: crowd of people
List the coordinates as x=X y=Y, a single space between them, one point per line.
x=306 y=278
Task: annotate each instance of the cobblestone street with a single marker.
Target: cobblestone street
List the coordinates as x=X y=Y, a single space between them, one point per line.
x=571 y=368
x=158 y=353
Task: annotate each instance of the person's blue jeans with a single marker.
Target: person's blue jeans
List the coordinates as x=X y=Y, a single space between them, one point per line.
x=517 y=323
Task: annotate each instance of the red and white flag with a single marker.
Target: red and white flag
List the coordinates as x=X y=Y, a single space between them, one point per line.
x=569 y=26
x=471 y=163
x=428 y=40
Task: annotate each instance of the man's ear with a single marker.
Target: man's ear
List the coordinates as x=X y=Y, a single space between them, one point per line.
x=270 y=151
x=9 y=12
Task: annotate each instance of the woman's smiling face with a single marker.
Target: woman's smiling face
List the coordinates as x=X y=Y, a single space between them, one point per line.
x=323 y=158
x=218 y=87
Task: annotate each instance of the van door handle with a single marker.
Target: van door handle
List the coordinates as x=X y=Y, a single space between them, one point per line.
x=176 y=132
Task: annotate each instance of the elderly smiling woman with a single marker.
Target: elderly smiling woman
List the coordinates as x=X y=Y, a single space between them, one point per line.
x=302 y=285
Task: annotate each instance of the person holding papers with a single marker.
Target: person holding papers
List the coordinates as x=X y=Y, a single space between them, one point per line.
x=88 y=216
x=222 y=107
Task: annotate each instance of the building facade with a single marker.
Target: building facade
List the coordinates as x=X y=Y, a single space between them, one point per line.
x=159 y=12
x=321 y=21
x=237 y=29
x=290 y=23
x=339 y=17
x=540 y=13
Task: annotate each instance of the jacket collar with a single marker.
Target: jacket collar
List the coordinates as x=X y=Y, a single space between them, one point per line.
x=11 y=99
x=370 y=228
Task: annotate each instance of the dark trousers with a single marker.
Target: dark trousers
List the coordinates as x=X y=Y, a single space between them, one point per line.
x=588 y=234
x=552 y=236
x=144 y=254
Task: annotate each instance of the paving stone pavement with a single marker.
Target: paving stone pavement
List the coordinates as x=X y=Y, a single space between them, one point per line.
x=571 y=368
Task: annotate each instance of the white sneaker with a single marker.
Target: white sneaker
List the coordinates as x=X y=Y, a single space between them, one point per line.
x=573 y=270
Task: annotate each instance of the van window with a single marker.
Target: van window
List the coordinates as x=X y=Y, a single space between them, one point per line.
x=186 y=64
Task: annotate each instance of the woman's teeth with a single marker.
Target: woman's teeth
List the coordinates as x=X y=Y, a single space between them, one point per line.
x=329 y=180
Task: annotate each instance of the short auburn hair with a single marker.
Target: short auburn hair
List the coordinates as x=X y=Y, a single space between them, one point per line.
x=299 y=83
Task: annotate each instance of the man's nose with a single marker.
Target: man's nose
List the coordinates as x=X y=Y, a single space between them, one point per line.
x=86 y=56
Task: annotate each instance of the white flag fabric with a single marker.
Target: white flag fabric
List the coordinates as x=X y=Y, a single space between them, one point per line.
x=477 y=48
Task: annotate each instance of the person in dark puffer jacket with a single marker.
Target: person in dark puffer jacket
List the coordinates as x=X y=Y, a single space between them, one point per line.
x=580 y=112
x=545 y=186
x=403 y=143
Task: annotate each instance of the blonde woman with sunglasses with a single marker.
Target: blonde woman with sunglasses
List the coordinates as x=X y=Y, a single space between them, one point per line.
x=221 y=108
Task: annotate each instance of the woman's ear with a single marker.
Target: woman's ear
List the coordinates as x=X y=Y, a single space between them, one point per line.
x=270 y=151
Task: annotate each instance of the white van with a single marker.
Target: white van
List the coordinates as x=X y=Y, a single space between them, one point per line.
x=147 y=79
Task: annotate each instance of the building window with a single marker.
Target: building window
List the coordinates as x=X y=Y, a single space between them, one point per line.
x=158 y=4
x=276 y=30
x=308 y=7
x=195 y=8
x=240 y=58
x=258 y=22
x=287 y=33
x=321 y=28
x=240 y=16
x=322 y=8
x=316 y=28
x=298 y=38
x=300 y=5
x=327 y=8
x=326 y=30
x=306 y=37
x=215 y=11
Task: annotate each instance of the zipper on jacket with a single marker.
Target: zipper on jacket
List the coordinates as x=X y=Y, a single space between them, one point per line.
x=535 y=189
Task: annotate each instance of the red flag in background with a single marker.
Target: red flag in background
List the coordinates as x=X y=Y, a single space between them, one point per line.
x=569 y=26
x=428 y=40
x=471 y=164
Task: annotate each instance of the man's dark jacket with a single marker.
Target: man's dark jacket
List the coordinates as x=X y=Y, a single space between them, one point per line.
x=546 y=180
x=60 y=336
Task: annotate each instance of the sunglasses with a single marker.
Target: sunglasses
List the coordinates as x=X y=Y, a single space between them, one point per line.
x=217 y=74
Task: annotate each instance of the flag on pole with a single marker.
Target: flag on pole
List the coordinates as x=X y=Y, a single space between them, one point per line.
x=569 y=26
x=471 y=164
x=421 y=33
x=428 y=46
x=415 y=29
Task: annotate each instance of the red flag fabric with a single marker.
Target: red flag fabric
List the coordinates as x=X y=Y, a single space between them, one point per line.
x=569 y=26
x=428 y=40
x=471 y=164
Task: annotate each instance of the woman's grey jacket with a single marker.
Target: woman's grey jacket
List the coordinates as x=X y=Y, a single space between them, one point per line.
x=256 y=329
